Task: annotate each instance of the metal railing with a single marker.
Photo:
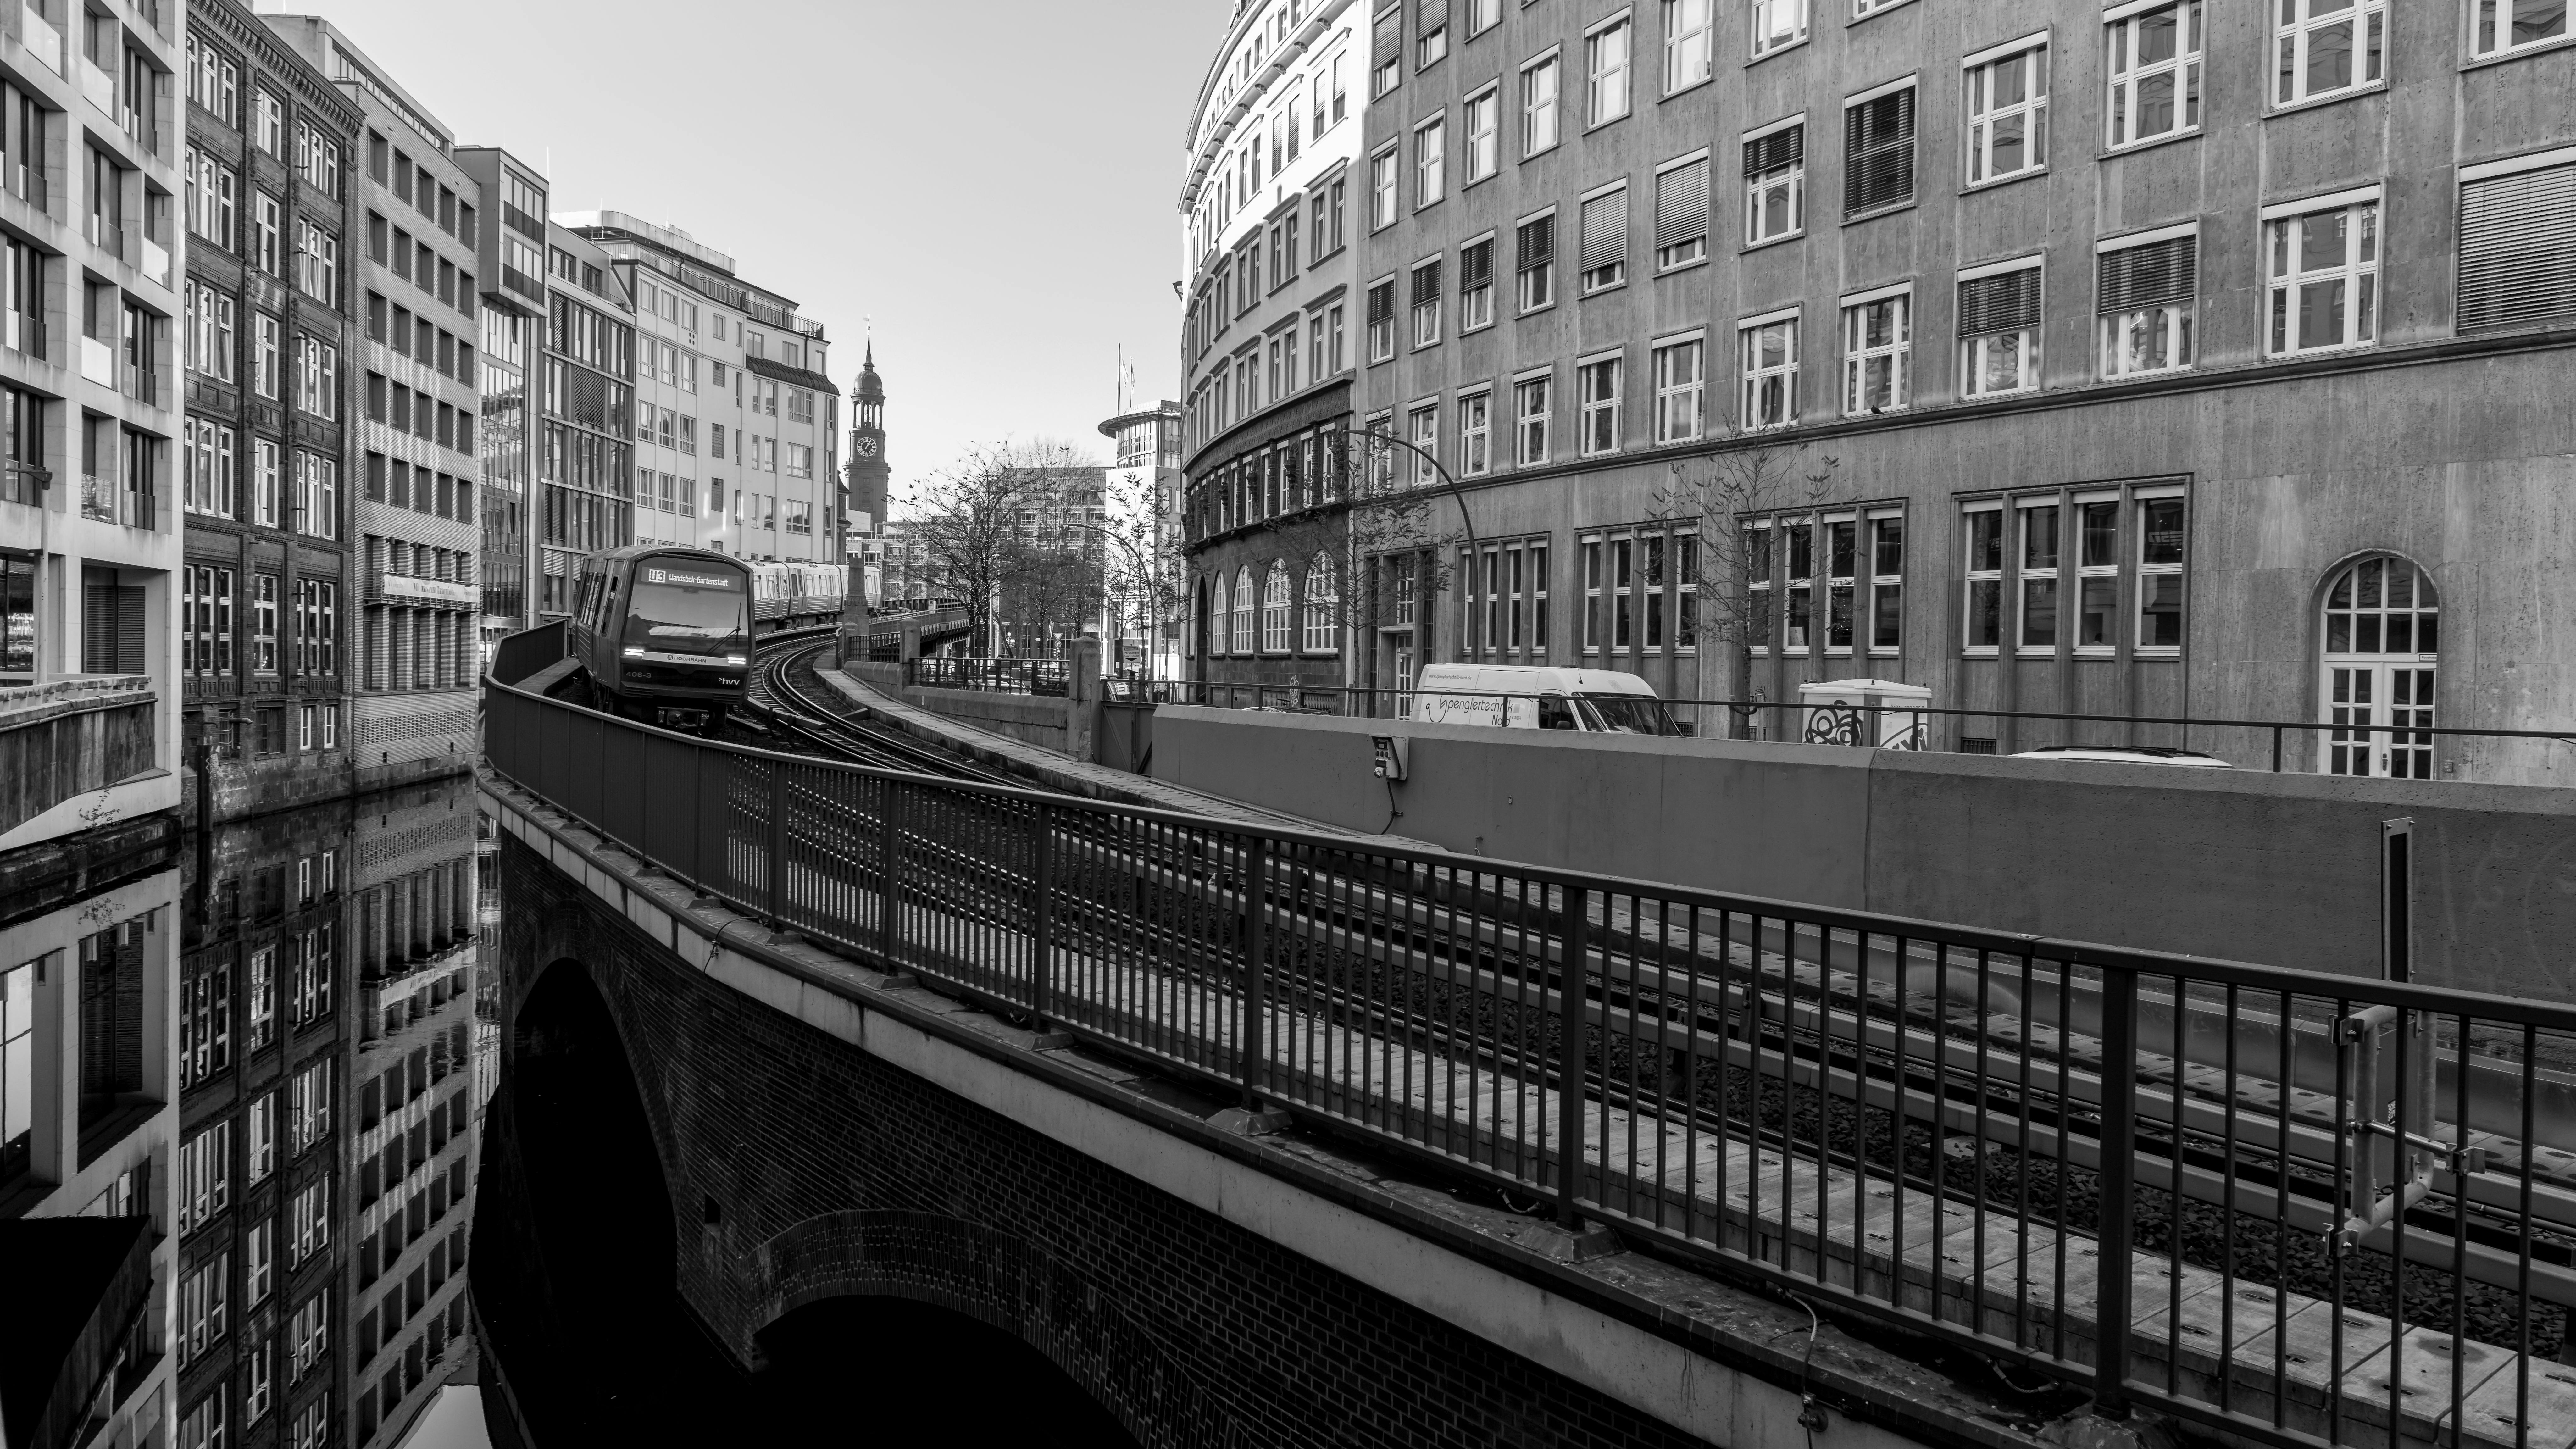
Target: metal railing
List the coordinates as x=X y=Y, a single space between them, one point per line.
x=1000 y=676
x=2242 y=742
x=1953 y=1130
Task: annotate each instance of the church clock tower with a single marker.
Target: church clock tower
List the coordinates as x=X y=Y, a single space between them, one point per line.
x=866 y=485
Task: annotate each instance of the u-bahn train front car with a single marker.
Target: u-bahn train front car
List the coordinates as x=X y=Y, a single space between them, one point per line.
x=686 y=646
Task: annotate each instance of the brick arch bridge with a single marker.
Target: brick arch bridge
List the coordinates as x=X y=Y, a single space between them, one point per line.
x=820 y=1129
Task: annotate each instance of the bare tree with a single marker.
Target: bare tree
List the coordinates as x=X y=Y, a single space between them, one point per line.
x=1144 y=579
x=1365 y=508
x=968 y=521
x=1753 y=473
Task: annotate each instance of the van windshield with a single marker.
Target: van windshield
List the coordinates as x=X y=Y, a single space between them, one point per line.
x=1629 y=714
x=675 y=619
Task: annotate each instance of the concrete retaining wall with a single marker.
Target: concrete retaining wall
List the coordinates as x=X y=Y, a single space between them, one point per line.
x=1035 y=719
x=2278 y=869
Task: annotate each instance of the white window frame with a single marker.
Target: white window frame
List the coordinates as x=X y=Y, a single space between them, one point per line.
x=1322 y=594
x=1680 y=373
x=1758 y=185
x=2291 y=39
x=1424 y=312
x=1476 y=431
x=2053 y=574
x=1381 y=335
x=1881 y=585
x=2176 y=569
x=2113 y=332
x=1277 y=598
x=1754 y=376
x=1533 y=425
x=1431 y=161
x=1618 y=270
x=1598 y=413
x=1778 y=25
x=1980 y=115
x=1523 y=288
x=1973 y=576
x=1422 y=429
x=1241 y=639
x=1973 y=350
x=1690 y=44
x=1859 y=353
x=2493 y=19
x=2091 y=576
x=1385 y=199
x=2284 y=233
x=1609 y=66
x=1542 y=103
x=2122 y=83
x=1481 y=123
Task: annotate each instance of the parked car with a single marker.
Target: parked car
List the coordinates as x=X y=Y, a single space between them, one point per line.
x=1523 y=696
x=2128 y=755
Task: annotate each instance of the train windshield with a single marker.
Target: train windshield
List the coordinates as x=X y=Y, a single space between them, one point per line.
x=1629 y=714
x=695 y=611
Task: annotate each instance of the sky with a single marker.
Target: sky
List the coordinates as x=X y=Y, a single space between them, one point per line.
x=998 y=196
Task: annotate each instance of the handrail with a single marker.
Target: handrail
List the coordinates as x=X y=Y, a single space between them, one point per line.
x=1770 y=1089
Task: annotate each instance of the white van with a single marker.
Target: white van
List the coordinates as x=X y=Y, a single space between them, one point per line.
x=1524 y=696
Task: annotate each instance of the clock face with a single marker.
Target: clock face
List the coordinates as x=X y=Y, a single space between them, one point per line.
x=867 y=447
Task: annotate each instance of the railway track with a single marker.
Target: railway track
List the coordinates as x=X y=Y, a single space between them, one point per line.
x=809 y=721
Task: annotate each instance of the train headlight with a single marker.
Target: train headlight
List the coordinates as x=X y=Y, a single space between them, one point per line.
x=634 y=651
x=737 y=661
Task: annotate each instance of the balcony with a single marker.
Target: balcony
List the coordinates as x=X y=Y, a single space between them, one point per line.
x=156 y=261
x=71 y=737
x=41 y=36
x=522 y=223
x=110 y=500
x=106 y=235
x=98 y=361
x=520 y=282
x=98 y=87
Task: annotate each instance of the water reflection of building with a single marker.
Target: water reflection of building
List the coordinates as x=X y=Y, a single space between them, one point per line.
x=260 y=1175
x=414 y=912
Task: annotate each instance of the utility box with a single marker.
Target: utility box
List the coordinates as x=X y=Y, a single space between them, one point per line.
x=1388 y=757
x=1871 y=713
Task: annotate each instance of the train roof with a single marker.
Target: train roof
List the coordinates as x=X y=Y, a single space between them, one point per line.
x=667 y=550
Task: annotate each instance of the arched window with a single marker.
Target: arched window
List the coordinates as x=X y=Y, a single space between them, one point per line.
x=2383 y=631
x=1323 y=598
x=1242 y=642
x=1211 y=620
x=1274 y=609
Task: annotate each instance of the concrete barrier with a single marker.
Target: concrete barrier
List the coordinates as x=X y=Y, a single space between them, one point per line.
x=2279 y=869
x=1035 y=719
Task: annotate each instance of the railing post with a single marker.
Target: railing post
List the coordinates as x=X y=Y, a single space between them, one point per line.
x=1042 y=934
x=2117 y=1182
x=890 y=870
x=1256 y=987
x=1571 y=977
x=777 y=844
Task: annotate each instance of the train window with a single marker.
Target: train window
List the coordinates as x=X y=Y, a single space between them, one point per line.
x=687 y=610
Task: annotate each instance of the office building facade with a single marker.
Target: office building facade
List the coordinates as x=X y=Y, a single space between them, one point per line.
x=2149 y=361
x=1272 y=207
x=269 y=585
x=509 y=257
x=415 y=384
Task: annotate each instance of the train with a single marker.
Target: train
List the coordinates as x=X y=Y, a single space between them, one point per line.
x=797 y=595
x=665 y=632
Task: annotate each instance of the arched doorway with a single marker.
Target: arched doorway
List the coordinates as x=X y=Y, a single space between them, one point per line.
x=2381 y=637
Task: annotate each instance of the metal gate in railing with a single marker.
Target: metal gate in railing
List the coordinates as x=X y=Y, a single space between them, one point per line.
x=2302 y=1208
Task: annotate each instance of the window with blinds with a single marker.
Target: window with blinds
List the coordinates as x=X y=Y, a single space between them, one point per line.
x=1878 y=153
x=1605 y=240
x=1999 y=332
x=1536 y=241
x=2518 y=249
x=1774 y=184
x=2144 y=299
x=1431 y=24
x=1681 y=214
x=1381 y=320
x=1475 y=284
